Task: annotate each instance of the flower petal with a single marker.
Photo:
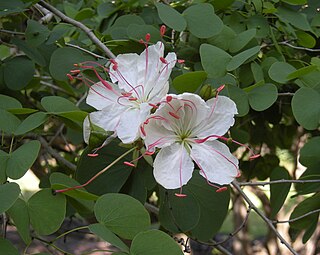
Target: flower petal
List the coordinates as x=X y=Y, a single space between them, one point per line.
x=100 y=97
x=173 y=166
x=215 y=161
x=126 y=73
x=220 y=119
x=129 y=125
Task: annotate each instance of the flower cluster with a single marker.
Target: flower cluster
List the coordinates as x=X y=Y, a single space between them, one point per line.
x=183 y=129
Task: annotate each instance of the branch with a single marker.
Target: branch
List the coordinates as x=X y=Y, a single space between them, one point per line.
x=276 y=182
x=84 y=50
x=263 y=217
x=78 y=24
x=55 y=154
x=298 y=218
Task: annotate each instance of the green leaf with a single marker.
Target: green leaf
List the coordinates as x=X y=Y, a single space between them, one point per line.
x=22 y=159
x=173 y=214
x=6 y=247
x=257 y=72
x=242 y=57
x=214 y=60
x=47 y=211
x=241 y=40
x=305 y=39
x=308 y=205
x=104 y=233
x=63 y=60
x=36 y=33
x=84 y=13
x=3 y=166
x=11 y=123
x=262 y=97
x=223 y=39
x=171 y=17
x=31 y=122
x=18 y=72
x=208 y=200
x=311 y=173
x=201 y=20
x=30 y=51
x=9 y=193
x=17 y=111
x=119 y=28
x=76 y=116
x=110 y=181
x=279 y=71
x=138 y=32
x=306 y=108
x=62 y=181
x=7 y=102
x=260 y=24
x=278 y=192
x=309 y=154
x=240 y=97
x=20 y=217
x=154 y=242
x=301 y=72
x=189 y=82
x=295 y=2
x=56 y=104
x=122 y=214
x=297 y=19
x=11 y=6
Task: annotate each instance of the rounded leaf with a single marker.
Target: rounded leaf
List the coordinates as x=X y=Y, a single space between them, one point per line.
x=242 y=57
x=171 y=17
x=309 y=154
x=7 y=248
x=279 y=71
x=9 y=193
x=47 y=211
x=18 y=72
x=189 y=82
x=62 y=61
x=7 y=102
x=56 y=104
x=31 y=122
x=262 y=97
x=122 y=214
x=202 y=22
x=154 y=242
x=306 y=108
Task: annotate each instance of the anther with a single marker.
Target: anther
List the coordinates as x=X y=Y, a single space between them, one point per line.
x=239 y=174
x=221 y=189
x=92 y=155
x=221 y=88
x=133 y=99
x=180 y=195
x=75 y=71
x=163 y=60
x=163 y=29
x=180 y=61
x=129 y=163
x=76 y=65
x=148 y=36
x=154 y=106
x=174 y=115
x=149 y=153
x=70 y=77
x=169 y=99
x=255 y=156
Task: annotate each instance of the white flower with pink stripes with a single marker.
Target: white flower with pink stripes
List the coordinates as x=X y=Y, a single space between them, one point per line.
x=185 y=128
x=138 y=84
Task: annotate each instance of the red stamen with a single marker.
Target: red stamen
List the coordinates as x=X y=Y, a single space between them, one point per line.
x=174 y=115
x=105 y=83
x=169 y=99
x=115 y=67
x=93 y=155
x=221 y=189
x=163 y=29
x=181 y=61
x=126 y=94
x=149 y=153
x=75 y=71
x=220 y=88
x=133 y=99
x=154 y=106
x=254 y=156
x=76 y=65
x=239 y=174
x=129 y=163
x=148 y=36
x=163 y=60
x=113 y=61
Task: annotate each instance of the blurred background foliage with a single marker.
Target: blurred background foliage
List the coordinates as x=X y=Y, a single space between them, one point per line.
x=266 y=52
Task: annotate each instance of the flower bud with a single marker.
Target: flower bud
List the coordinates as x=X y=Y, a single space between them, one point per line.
x=206 y=92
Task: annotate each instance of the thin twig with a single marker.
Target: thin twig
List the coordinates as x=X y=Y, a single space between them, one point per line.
x=78 y=24
x=277 y=182
x=55 y=87
x=84 y=50
x=298 y=218
x=263 y=217
x=298 y=47
x=286 y=94
x=11 y=32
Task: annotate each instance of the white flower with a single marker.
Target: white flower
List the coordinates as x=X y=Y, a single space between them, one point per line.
x=186 y=128
x=139 y=82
